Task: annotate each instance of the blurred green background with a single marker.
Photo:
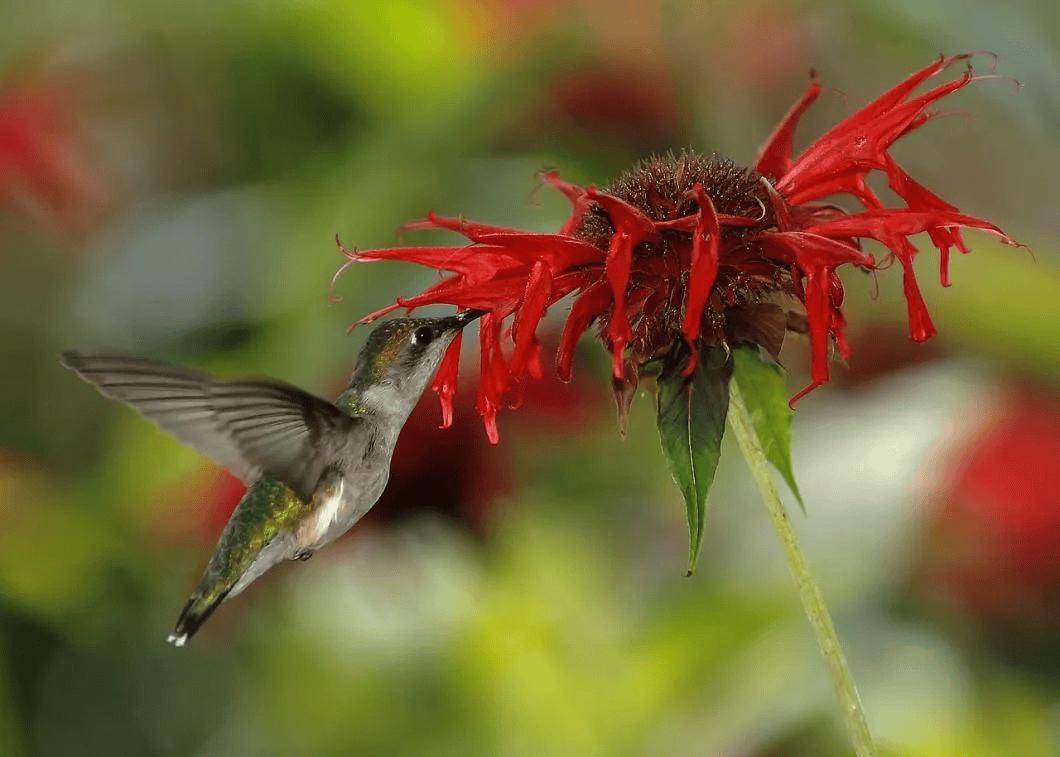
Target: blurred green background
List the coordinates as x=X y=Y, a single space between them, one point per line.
x=172 y=177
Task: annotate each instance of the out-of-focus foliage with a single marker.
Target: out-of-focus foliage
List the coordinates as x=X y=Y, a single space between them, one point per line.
x=178 y=177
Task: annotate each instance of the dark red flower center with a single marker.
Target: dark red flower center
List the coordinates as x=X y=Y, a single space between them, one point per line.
x=747 y=283
x=661 y=187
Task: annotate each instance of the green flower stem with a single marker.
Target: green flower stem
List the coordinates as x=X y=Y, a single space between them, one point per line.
x=810 y=594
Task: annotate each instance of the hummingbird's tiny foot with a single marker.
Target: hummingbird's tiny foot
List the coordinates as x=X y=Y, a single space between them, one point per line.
x=177 y=639
x=303 y=554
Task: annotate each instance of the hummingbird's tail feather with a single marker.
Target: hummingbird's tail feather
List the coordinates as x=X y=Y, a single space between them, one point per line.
x=198 y=609
x=219 y=583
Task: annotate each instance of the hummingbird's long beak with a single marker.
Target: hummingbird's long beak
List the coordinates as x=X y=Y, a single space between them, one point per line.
x=463 y=319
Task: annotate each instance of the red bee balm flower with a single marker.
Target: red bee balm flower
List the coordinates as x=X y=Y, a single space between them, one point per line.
x=682 y=253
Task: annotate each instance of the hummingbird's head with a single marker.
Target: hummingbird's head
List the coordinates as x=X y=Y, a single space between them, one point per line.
x=397 y=361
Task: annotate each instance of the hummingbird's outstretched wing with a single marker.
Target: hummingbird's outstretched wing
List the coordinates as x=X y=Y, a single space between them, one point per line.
x=250 y=427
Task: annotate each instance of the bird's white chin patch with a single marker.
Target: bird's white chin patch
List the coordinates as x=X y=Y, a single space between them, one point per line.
x=383 y=399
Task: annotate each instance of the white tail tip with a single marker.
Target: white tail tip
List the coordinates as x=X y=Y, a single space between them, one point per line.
x=177 y=640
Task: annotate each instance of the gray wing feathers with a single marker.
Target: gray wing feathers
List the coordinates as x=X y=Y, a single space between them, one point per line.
x=250 y=427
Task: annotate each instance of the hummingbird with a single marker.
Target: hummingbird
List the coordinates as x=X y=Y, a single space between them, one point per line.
x=313 y=468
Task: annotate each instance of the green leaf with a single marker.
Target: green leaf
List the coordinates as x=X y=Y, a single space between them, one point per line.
x=691 y=419
x=765 y=393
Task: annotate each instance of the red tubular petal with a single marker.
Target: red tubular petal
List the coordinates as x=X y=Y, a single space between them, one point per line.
x=496 y=294
x=944 y=264
x=704 y=265
x=501 y=295
x=624 y=216
x=819 y=317
x=492 y=376
x=781 y=211
x=893 y=96
x=533 y=365
x=688 y=223
x=535 y=303
x=684 y=223
x=919 y=197
x=489 y=421
x=858 y=143
x=920 y=326
x=632 y=227
x=810 y=250
x=892 y=228
x=460 y=225
x=474 y=261
x=839 y=321
x=445 y=379
x=851 y=181
x=884 y=224
x=619 y=262
x=559 y=251
x=573 y=193
x=817 y=258
x=374 y=315
x=693 y=359
x=774 y=157
x=592 y=302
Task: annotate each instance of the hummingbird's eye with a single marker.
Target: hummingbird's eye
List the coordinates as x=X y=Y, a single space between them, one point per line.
x=423 y=335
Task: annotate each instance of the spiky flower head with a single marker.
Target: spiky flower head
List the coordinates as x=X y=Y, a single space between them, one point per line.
x=685 y=252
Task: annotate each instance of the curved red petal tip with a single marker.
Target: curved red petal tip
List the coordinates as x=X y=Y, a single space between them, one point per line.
x=533 y=365
x=489 y=421
x=684 y=223
x=572 y=192
x=944 y=266
x=781 y=212
x=624 y=216
x=535 y=303
x=618 y=362
x=589 y=304
x=445 y=380
x=617 y=270
x=432 y=221
x=819 y=320
x=693 y=358
x=798 y=396
x=374 y=315
x=921 y=327
x=774 y=156
x=837 y=161
x=446 y=404
x=704 y=264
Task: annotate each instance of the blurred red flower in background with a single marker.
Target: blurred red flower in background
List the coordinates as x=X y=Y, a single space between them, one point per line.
x=684 y=252
x=635 y=105
x=761 y=41
x=993 y=550
x=43 y=169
